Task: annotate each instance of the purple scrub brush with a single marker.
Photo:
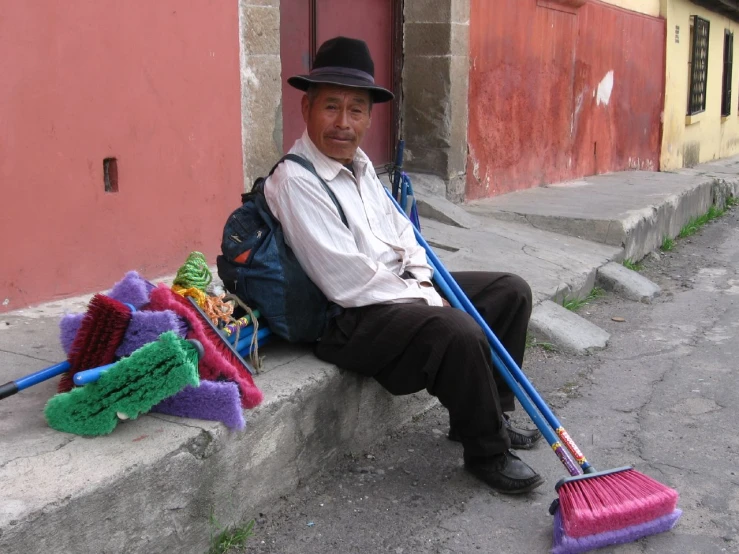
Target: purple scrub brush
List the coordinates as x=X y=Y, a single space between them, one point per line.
x=145 y=327
x=212 y=400
x=132 y=289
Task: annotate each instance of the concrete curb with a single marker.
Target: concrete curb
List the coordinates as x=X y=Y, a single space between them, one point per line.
x=567 y=330
x=631 y=210
x=153 y=484
x=645 y=230
x=627 y=283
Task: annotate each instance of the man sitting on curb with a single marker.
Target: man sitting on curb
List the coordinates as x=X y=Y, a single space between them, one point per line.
x=395 y=326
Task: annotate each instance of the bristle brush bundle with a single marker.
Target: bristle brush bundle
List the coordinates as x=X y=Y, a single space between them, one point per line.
x=131 y=387
x=100 y=333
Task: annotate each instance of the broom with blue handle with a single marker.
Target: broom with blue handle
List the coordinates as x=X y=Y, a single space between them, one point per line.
x=594 y=509
x=531 y=401
x=243 y=347
x=22 y=383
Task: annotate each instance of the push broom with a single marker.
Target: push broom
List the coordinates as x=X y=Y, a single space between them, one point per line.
x=111 y=323
x=210 y=400
x=100 y=332
x=131 y=386
x=595 y=509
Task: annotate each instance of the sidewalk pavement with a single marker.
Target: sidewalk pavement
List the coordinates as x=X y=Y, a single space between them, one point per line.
x=156 y=484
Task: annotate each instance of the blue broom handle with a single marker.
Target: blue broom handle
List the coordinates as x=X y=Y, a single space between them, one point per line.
x=512 y=374
x=245 y=340
x=8 y=389
x=398 y=167
x=504 y=360
x=260 y=342
x=90 y=375
x=42 y=375
x=404 y=194
x=527 y=404
x=13 y=387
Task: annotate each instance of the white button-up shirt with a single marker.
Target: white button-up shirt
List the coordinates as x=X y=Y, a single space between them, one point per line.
x=355 y=266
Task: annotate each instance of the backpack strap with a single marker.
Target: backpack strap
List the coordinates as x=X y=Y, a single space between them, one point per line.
x=300 y=160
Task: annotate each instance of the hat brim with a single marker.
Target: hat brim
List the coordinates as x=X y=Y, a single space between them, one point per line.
x=379 y=94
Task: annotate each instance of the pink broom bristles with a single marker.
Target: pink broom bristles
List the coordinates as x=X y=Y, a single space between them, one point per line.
x=613 y=501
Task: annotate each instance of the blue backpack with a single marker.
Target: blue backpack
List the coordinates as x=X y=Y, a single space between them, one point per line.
x=257 y=266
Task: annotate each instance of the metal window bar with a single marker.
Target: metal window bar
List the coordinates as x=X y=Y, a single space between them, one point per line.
x=728 y=66
x=699 y=65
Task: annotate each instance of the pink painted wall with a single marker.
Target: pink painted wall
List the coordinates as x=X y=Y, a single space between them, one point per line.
x=155 y=85
x=535 y=112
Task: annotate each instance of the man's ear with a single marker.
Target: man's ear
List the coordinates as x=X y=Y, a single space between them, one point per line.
x=305 y=107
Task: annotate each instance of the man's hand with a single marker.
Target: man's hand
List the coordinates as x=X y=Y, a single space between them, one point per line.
x=443 y=300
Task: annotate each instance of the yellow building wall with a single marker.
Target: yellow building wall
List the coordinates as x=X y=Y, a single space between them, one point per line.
x=707 y=136
x=649 y=7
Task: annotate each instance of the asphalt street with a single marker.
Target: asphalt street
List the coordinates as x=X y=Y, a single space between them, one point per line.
x=660 y=397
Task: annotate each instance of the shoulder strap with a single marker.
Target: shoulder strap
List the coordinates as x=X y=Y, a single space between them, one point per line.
x=309 y=167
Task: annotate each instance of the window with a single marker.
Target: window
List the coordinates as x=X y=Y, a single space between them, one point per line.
x=698 y=64
x=726 y=84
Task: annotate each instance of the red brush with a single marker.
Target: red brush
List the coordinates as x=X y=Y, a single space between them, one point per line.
x=219 y=361
x=101 y=332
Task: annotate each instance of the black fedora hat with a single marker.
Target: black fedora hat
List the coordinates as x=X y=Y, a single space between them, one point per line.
x=345 y=62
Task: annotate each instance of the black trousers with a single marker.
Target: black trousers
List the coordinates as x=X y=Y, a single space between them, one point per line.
x=411 y=347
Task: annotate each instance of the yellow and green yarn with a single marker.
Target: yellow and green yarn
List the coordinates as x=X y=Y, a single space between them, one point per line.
x=194 y=273
x=192 y=279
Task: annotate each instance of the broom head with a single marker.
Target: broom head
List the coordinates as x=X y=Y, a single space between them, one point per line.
x=612 y=500
x=144 y=327
x=217 y=363
x=131 y=387
x=212 y=400
x=132 y=289
x=101 y=331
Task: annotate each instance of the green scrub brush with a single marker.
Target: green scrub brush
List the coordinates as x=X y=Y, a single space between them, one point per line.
x=129 y=388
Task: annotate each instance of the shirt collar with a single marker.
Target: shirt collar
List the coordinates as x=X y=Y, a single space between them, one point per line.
x=328 y=168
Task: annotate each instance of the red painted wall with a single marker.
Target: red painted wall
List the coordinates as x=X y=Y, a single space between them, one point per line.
x=535 y=112
x=155 y=85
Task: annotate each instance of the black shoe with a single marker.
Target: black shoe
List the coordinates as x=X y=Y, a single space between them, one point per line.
x=521 y=439
x=505 y=473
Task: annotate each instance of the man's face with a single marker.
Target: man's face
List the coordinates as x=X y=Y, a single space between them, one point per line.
x=337 y=119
